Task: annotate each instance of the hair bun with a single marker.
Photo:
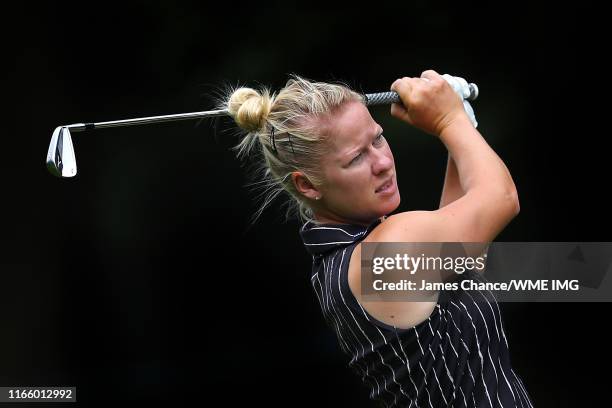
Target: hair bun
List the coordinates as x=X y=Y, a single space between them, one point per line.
x=249 y=108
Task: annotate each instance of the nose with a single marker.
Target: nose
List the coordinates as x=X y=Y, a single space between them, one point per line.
x=383 y=161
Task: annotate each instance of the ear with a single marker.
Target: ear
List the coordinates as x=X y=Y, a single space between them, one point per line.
x=304 y=186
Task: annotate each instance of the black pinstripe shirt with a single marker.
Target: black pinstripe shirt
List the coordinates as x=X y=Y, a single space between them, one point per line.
x=458 y=357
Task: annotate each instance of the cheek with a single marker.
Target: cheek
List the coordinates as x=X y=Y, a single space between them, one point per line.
x=359 y=182
x=349 y=183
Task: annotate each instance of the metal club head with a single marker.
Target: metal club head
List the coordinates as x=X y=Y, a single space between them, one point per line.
x=60 y=157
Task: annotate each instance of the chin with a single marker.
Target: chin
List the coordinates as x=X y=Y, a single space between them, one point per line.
x=392 y=204
x=389 y=207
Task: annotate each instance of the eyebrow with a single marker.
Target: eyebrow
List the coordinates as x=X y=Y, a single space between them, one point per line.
x=349 y=154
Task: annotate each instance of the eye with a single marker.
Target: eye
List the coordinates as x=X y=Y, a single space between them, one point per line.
x=377 y=141
x=356 y=159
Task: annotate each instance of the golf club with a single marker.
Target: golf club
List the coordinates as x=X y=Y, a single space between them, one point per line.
x=61 y=161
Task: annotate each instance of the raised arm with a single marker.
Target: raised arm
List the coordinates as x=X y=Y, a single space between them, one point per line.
x=451 y=190
x=490 y=199
x=488 y=204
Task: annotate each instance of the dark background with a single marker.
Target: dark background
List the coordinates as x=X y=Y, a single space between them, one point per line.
x=141 y=280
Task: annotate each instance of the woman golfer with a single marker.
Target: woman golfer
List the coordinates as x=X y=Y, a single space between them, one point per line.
x=321 y=146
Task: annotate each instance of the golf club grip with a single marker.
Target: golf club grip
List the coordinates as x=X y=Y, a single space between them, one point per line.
x=389 y=97
x=382 y=98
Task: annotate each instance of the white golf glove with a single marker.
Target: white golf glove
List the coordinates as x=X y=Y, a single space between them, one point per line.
x=462 y=88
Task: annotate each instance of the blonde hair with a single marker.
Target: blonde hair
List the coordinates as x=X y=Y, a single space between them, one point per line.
x=292 y=115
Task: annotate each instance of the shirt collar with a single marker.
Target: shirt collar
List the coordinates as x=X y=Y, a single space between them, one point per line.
x=319 y=239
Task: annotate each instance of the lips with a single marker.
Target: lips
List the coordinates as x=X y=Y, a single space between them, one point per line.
x=386 y=184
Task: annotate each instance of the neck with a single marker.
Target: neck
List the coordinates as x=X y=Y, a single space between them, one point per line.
x=337 y=220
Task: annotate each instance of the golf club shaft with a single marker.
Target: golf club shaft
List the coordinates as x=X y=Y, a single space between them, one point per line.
x=79 y=127
x=380 y=98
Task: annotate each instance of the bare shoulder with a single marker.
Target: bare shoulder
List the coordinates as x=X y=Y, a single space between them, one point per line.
x=474 y=217
x=409 y=226
x=402 y=315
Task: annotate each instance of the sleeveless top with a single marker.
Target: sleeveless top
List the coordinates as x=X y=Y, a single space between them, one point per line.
x=458 y=357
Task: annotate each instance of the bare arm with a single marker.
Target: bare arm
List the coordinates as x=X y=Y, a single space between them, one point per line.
x=479 y=168
x=480 y=198
x=451 y=190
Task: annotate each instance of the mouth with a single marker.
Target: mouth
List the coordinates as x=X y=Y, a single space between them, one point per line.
x=387 y=186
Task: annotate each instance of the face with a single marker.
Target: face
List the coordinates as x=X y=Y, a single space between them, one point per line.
x=358 y=163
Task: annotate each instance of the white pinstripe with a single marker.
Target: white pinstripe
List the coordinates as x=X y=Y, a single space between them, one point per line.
x=484 y=383
x=362 y=332
x=353 y=337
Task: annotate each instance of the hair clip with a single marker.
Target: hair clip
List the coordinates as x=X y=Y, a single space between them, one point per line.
x=291 y=143
x=272 y=141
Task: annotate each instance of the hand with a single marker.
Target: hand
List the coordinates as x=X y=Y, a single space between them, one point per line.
x=428 y=103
